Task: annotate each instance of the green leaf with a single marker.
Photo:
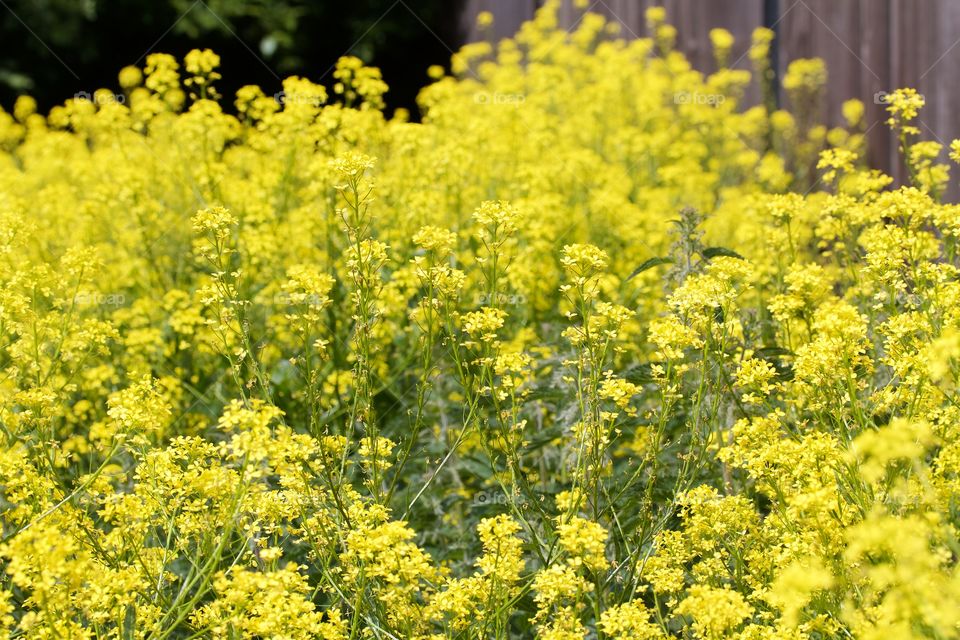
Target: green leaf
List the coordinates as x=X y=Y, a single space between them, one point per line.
x=639 y=374
x=713 y=252
x=772 y=352
x=649 y=264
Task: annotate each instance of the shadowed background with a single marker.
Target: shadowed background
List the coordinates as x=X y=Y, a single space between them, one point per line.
x=53 y=49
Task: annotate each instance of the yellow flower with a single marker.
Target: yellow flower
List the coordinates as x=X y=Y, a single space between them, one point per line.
x=583 y=260
x=410 y=398
x=722 y=41
x=715 y=612
x=760 y=40
x=24 y=107
x=140 y=408
x=807 y=74
x=557 y=584
x=215 y=219
x=201 y=62
x=620 y=392
x=483 y=324
x=796 y=585
x=502 y=548
x=853 y=111
x=130 y=77
x=756 y=377
x=904 y=105
x=435 y=239
x=498 y=216
x=271 y=604
x=585 y=541
x=901 y=440
x=352 y=165
x=630 y=621
x=671 y=337
x=376 y=452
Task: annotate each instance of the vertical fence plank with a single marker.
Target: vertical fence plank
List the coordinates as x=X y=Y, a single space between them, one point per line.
x=694 y=20
x=508 y=16
x=875 y=50
x=905 y=55
x=942 y=75
x=924 y=55
x=628 y=13
x=831 y=31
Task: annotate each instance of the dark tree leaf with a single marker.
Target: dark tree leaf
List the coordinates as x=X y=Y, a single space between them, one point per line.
x=772 y=352
x=639 y=374
x=713 y=252
x=649 y=264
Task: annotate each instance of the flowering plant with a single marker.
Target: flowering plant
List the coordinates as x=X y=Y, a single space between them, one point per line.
x=585 y=364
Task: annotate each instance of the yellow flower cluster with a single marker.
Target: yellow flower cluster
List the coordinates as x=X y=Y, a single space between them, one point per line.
x=594 y=349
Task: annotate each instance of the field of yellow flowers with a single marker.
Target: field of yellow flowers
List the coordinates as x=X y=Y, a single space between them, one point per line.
x=593 y=351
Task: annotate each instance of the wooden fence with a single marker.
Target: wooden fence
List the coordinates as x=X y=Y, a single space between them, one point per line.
x=870 y=46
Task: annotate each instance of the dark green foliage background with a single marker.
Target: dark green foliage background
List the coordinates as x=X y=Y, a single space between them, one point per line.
x=53 y=49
